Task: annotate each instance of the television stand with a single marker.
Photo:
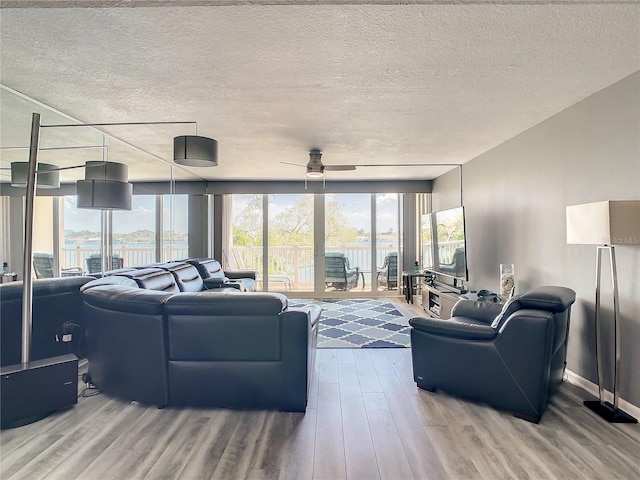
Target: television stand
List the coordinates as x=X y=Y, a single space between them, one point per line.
x=439 y=301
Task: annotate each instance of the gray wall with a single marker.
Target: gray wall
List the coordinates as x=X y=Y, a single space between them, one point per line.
x=515 y=197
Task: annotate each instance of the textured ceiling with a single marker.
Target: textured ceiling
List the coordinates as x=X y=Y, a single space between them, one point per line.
x=365 y=82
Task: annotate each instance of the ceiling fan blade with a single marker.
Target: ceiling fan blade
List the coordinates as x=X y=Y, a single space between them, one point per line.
x=339 y=167
x=408 y=165
x=294 y=164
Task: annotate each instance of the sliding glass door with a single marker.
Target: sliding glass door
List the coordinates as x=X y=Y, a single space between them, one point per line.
x=273 y=235
x=347 y=242
x=290 y=246
x=315 y=245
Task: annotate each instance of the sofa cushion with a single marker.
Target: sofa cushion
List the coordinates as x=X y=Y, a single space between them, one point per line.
x=126 y=299
x=185 y=275
x=111 y=280
x=153 y=278
x=207 y=267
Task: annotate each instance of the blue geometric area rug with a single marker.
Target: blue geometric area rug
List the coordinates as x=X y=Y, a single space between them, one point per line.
x=359 y=323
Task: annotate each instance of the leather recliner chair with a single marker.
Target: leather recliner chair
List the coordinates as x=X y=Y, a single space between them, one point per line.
x=513 y=359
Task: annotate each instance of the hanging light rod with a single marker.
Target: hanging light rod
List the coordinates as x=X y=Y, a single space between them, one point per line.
x=112 y=124
x=56 y=148
x=188 y=150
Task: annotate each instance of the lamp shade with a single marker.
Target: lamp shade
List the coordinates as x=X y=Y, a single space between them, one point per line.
x=195 y=151
x=611 y=222
x=105 y=187
x=100 y=170
x=44 y=178
x=104 y=194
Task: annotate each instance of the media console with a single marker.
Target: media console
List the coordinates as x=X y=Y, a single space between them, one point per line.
x=438 y=301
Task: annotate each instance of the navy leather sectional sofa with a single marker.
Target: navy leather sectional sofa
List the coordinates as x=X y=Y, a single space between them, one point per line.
x=156 y=336
x=164 y=335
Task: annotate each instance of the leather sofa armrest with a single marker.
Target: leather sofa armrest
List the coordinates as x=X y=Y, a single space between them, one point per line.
x=481 y=311
x=222 y=286
x=312 y=311
x=453 y=328
x=216 y=282
x=238 y=274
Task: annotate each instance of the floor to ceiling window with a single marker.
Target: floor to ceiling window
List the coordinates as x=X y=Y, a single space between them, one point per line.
x=245 y=247
x=130 y=238
x=81 y=234
x=347 y=242
x=387 y=241
x=290 y=246
x=175 y=227
x=302 y=230
x=135 y=234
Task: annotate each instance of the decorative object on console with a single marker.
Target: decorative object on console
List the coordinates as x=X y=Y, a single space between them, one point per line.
x=606 y=224
x=507 y=279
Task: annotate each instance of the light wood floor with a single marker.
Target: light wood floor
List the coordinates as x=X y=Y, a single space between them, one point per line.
x=365 y=420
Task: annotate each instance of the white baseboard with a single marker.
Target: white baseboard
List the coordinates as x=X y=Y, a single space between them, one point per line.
x=592 y=388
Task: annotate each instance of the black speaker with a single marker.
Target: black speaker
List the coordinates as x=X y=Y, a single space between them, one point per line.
x=31 y=391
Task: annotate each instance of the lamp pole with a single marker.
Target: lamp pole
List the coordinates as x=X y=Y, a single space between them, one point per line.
x=27 y=290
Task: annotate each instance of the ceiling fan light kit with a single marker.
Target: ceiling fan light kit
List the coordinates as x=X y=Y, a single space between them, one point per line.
x=315 y=172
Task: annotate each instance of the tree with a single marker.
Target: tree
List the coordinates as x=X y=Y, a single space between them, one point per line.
x=247 y=225
x=293 y=226
x=337 y=230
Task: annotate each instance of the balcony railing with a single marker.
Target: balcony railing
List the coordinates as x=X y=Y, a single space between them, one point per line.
x=295 y=262
x=133 y=256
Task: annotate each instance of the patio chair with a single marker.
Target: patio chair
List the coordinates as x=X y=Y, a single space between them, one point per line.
x=388 y=274
x=237 y=263
x=43 y=267
x=337 y=272
x=94 y=263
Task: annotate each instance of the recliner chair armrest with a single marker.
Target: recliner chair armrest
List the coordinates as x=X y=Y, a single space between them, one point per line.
x=237 y=274
x=453 y=328
x=482 y=311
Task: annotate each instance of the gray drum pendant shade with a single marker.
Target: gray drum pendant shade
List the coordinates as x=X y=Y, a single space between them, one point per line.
x=105 y=187
x=44 y=178
x=195 y=151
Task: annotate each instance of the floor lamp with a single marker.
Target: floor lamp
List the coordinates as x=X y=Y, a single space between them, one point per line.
x=606 y=224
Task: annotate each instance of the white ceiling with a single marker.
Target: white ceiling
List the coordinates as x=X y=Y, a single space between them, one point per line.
x=367 y=82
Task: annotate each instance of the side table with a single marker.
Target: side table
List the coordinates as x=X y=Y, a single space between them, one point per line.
x=8 y=277
x=409 y=283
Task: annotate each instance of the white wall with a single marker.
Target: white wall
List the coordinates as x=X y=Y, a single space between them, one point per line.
x=515 y=197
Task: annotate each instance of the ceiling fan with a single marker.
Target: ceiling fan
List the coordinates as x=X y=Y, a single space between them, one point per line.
x=315 y=167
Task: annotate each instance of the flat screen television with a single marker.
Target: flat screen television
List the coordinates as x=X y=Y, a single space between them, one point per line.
x=444 y=243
